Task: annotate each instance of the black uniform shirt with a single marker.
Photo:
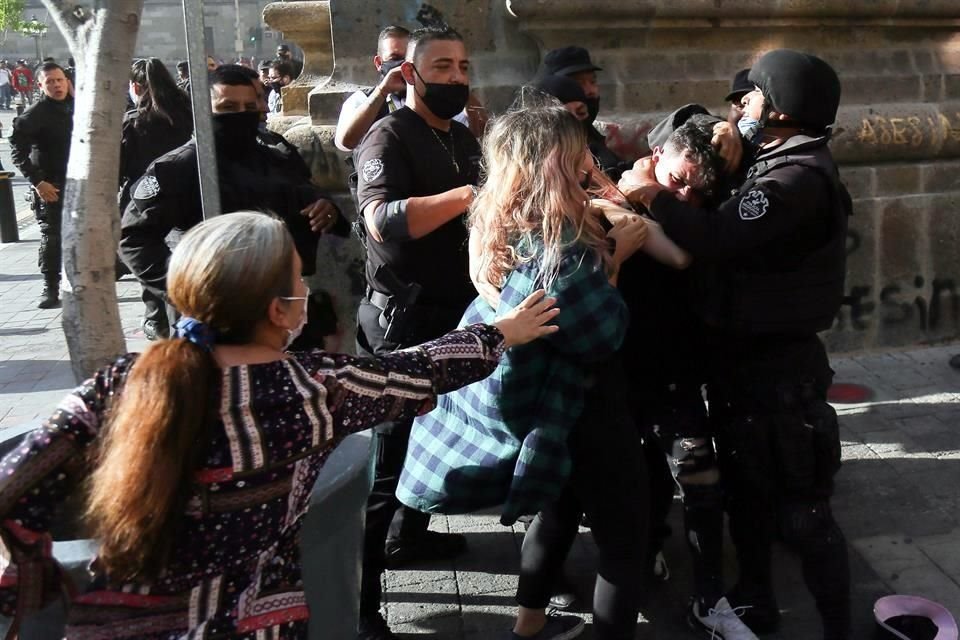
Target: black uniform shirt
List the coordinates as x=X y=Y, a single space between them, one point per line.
x=776 y=247
x=40 y=141
x=267 y=176
x=143 y=140
x=403 y=157
x=771 y=225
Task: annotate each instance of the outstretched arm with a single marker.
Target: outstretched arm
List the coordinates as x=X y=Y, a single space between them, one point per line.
x=363 y=392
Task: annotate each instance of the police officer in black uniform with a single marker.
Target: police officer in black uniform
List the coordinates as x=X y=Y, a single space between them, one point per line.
x=252 y=174
x=778 y=249
x=417 y=170
x=40 y=145
x=366 y=106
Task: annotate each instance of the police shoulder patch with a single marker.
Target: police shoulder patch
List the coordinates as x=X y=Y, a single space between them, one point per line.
x=371 y=169
x=753 y=205
x=147 y=188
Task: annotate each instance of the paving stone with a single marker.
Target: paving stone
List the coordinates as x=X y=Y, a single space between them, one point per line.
x=445 y=627
x=472 y=583
x=419 y=601
x=398 y=578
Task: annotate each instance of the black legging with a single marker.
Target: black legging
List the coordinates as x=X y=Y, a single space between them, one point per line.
x=608 y=483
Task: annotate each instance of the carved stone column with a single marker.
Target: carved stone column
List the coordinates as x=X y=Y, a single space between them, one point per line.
x=308 y=24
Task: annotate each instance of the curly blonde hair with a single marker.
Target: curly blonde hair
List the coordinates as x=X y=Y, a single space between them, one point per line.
x=532 y=194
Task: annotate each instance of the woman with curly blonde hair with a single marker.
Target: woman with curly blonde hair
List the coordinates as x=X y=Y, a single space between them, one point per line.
x=546 y=433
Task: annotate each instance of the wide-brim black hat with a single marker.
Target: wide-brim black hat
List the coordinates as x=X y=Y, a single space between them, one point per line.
x=740 y=86
x=566 y=61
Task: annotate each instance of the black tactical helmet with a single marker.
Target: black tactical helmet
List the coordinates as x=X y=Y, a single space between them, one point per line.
x=799 y=85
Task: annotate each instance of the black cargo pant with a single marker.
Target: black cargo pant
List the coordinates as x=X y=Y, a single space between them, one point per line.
x=779 y=448
x=609 y=483
x=387 y=518
x=49 y=218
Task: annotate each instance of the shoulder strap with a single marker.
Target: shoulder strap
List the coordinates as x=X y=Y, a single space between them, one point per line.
x=763 y=167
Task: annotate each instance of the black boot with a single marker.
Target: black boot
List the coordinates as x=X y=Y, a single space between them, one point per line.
x=50 y=297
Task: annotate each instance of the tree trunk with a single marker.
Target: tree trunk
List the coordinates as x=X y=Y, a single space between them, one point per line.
x=101 y=39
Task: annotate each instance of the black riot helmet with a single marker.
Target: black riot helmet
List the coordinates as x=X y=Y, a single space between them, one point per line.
x=798 y=85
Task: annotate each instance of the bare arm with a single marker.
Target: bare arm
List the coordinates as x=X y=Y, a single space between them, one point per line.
x=353 y=125
x=656 y=245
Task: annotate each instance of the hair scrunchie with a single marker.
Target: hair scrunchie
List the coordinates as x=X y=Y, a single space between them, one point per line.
x=194 y=331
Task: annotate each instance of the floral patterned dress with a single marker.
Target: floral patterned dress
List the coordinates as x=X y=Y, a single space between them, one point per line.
x=234 y=571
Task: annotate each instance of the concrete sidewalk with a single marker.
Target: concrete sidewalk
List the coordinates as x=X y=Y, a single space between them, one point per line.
x=34 y=366
x=898 y=502
x=898 y=496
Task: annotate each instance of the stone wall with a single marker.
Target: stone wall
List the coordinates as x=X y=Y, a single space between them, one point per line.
x=898 y=135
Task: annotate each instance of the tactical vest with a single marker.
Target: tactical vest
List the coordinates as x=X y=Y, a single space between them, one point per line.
x=802 y=300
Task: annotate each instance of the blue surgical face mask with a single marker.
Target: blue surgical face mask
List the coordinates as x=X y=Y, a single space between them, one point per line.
x=750 y=129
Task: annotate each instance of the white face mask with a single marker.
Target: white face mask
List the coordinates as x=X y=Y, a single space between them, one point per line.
x=133 y=96
x=295 y=332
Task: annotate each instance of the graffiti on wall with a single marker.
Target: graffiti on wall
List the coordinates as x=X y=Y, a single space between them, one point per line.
x=928 y=305
x=909 y=131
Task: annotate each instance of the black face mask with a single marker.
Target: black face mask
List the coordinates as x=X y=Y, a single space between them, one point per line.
x=444 y=100
x=276 y=85
x=234 y=132
x=593 y=108
x=389 y=65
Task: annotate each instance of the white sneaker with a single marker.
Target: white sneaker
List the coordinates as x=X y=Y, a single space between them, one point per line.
x=722 y=621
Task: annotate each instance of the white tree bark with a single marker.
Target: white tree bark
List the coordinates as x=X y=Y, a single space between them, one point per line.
x=101 y=37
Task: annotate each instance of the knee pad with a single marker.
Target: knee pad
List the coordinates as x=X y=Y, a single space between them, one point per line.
x=809 y=525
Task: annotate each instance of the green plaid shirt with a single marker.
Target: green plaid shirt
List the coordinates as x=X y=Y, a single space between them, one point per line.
x=503 y=440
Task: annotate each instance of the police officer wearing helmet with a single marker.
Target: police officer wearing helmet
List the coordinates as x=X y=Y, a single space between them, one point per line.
x=777 y=250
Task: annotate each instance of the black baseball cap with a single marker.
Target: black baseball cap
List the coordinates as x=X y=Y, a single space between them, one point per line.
x=566 y=61
x=740 y=86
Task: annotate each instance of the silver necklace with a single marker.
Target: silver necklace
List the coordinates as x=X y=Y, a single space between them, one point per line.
x=451 y=150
